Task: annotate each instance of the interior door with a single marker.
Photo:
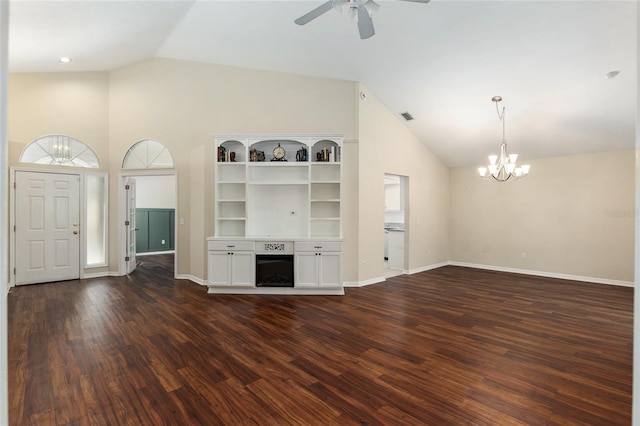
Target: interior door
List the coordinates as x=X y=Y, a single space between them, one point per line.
x=130 y=224
x=47 y=227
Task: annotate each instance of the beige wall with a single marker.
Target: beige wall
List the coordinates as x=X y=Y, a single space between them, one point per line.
x=182 y=105
x=386 y=145
x=572 y=215
x=73 y=104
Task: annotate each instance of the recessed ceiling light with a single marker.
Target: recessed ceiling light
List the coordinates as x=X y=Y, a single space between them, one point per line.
x=64 y=60
x=612 y=74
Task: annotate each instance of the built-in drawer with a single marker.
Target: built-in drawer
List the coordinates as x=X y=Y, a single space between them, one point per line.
x=318 y=246
x=231 y=245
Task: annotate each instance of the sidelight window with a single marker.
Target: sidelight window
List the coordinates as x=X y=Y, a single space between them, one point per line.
x=96 y=196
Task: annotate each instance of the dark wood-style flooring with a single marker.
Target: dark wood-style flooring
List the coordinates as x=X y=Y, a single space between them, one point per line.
x=452 y=346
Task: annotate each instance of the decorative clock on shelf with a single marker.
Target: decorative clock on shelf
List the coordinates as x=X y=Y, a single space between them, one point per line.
x=278 y=154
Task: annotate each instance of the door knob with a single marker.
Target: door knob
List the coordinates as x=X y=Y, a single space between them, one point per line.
x=75 y=223
x=75 y=232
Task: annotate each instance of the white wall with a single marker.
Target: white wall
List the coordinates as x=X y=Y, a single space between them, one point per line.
x=572 y=215
x=155 y=192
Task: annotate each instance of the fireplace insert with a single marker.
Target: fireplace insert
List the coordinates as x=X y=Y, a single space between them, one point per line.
x=274 y=270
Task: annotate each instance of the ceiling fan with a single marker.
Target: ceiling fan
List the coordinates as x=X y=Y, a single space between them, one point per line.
x=359 y=11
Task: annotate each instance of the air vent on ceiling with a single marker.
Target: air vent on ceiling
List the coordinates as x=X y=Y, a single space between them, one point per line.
x=406 y=116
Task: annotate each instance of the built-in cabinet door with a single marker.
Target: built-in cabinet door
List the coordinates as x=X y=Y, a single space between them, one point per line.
x=318 y=269
x=231 y=268
x=306 y=270
x=330 y=269
x=242 y=268
x=219 y=268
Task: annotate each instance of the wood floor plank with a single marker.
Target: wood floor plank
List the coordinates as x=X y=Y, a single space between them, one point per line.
x=451 y=346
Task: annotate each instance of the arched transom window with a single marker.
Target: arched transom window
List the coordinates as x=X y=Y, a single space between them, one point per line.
x=59 y=150
x=148 y=154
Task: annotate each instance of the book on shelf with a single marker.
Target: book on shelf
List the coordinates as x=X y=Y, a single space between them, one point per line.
x=328 y=155
x=301 y=154
x=225 y=156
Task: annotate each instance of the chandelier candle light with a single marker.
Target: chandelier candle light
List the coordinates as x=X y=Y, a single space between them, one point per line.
x=503 y=167
x=60 y=150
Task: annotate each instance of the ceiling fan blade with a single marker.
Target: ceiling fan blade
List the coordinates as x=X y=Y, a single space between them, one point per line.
x=323 y=8
x=365 y=23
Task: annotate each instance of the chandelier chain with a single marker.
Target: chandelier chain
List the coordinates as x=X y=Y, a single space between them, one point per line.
x=502 y=167
x=501 y=117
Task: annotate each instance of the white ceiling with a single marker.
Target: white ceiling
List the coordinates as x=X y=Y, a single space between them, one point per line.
x=442 y=61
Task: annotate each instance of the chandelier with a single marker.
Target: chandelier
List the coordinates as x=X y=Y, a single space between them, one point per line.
x=503 y=167
x=60 y=150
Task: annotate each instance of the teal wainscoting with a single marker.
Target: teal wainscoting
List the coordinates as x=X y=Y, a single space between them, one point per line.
x=155 y=230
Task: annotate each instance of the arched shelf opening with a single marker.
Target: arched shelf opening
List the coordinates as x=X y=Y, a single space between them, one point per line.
x=60 y=150
x=148 y=154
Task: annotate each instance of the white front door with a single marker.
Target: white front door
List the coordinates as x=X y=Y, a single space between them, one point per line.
x=47 y=227
x=130 y=224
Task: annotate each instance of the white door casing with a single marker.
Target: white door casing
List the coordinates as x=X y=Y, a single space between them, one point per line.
x=130 y=224
x=47 y=227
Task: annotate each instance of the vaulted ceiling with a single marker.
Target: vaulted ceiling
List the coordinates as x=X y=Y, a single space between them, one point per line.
x=442 y=61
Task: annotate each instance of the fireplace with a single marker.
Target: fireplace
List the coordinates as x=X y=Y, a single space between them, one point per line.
x=274 y=270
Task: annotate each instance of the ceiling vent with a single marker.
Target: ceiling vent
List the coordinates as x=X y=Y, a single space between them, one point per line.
x=406 y=116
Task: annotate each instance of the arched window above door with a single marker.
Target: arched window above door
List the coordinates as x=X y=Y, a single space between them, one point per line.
x=59 y=150
x=148 y=154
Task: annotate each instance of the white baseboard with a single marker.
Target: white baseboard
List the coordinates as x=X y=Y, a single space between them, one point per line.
x=195 y=279
x=376 y=280
x=544 y=274
x=426 y=268
x=363 y=283
x=191 y=278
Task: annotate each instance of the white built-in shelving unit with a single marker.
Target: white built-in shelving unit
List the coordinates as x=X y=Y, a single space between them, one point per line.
x=299 y=198
x=270 y=208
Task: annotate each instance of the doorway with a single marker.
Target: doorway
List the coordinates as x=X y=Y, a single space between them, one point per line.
x=150 y=212
x=394 y=224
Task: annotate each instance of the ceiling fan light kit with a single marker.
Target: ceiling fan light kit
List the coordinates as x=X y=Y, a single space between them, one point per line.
x=503 y=167
x=358 y=12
